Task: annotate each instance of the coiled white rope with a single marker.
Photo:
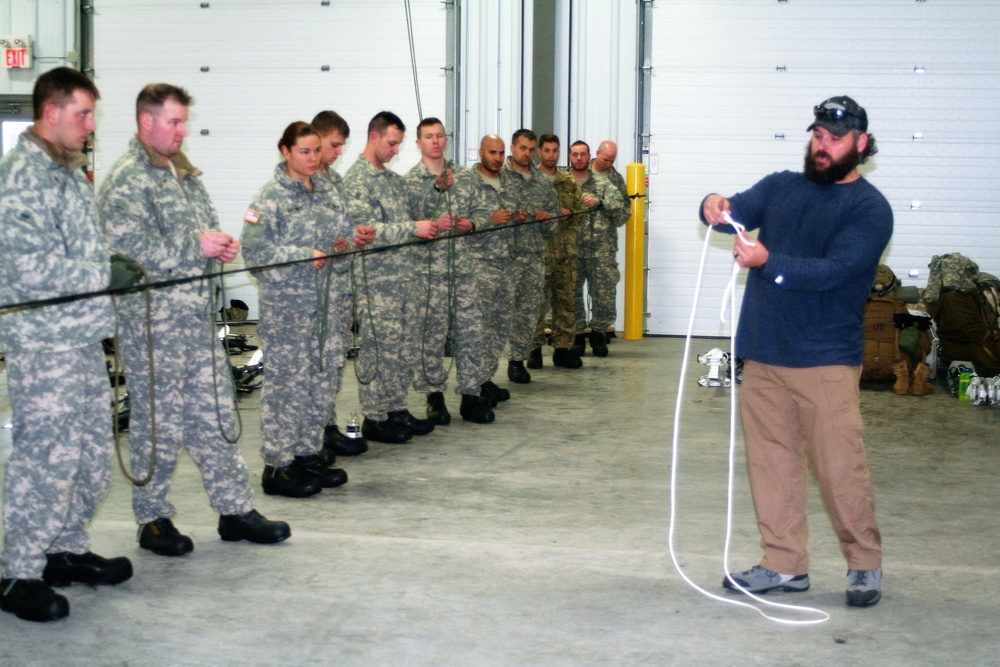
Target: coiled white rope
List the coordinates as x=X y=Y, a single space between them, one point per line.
x=730 y=296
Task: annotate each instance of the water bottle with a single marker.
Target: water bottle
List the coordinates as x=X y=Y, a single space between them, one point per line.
x=353 y=426
x=964 y=380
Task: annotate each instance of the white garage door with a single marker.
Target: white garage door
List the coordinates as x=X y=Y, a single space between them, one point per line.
x=734 y=83
x=254 y=67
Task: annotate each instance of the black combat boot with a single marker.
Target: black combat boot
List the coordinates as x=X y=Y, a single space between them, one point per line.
x=252 y=527
x=579 y=347
x=474 y=410
x=564 y=358
x=339 y=444
x=497 y=394
x=403 y=418
x=32 y=600
x=437 y=411
x=289 y=481
x=598 y=343
x=313 y=466
x=516 y=372
x=65 y=568
x=535 y=358
x=385 y=431
x=163 y=539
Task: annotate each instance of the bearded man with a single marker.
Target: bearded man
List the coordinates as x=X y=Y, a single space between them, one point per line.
x=821 y=236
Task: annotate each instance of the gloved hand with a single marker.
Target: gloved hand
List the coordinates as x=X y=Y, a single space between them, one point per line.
x=125 y=272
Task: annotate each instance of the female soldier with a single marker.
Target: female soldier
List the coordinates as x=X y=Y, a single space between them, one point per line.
x=293 y=218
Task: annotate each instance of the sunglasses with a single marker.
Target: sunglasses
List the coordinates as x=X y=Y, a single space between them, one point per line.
x=831 y=111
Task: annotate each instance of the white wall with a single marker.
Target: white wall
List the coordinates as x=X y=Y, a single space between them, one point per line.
x=264 y=62
x=52 y=26
x=721 y=104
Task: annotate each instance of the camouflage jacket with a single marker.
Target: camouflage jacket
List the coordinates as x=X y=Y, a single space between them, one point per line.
x=462 y=199
x=491 y=242
x=532 y=194
x=157 y=218
x=379 y=198
x=570 y=197
x=50 y=246
x=286 y=222
x=598 y=236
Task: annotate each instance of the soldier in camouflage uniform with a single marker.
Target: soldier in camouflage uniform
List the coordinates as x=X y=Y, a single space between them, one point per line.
x=560 y=262
x=294 y=217
x=597 y=245
x=444 y=281
x=51 y=246
x=155 y=209
x=536 y=204
x=492 y=257
x=377 y=197
x=333 y=134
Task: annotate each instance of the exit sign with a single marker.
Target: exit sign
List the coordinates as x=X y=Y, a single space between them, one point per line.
x=16 y=50
x=15 y=58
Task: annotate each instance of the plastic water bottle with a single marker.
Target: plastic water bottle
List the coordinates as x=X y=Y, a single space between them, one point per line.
x=964 y=380
x=353 y=426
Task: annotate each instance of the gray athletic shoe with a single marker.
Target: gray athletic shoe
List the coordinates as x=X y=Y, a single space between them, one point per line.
x=864 y=587
x=759 y=579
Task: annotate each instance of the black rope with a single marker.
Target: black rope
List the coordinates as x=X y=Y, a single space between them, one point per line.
x=367 y=250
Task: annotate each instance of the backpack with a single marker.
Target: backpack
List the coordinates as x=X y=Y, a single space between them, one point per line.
x=881 y=330
x=966 y=314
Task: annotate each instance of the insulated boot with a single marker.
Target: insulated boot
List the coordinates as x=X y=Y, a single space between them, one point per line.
x=902 y=370
x=921 y=385
x=563 y=357
x=579 y=347
x=289 y=481
x=535 y=358
x=437 y=411
x=474 y=410
x=403 y=418
x=517 y=373
x=598 y=344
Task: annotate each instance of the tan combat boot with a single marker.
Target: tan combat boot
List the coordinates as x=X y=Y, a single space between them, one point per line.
x=921 y=386
x=902 y=370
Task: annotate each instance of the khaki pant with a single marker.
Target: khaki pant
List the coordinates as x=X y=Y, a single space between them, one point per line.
x=791 y=415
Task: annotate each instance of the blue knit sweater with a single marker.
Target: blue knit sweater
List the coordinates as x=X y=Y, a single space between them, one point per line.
x=805 y=307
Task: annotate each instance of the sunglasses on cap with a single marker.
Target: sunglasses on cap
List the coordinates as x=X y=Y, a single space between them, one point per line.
x=831 y=111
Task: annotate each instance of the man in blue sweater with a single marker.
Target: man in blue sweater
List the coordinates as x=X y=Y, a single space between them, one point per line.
x=821 y=235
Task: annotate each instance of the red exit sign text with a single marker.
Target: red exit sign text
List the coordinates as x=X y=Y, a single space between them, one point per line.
x=15 y=57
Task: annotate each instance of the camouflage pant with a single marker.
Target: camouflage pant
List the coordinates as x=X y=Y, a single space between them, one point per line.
x=344 y=305
x=528 y=273
x=496 y=300
x=433 y=308
x=192 y=404
x=297 y=393
x=560 y=293
x=384 y=364
x=601 y=275
x=59 y=469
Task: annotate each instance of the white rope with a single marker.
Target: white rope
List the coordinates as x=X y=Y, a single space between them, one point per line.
x=675 y=448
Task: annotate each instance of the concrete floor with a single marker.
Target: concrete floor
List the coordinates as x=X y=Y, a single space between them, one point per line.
x=542 y=540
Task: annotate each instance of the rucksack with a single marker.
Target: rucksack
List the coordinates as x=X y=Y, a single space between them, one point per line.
x=881 y=333
x=966 y=312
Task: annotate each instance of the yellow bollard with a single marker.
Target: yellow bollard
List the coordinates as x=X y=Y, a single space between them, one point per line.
x=635 y=252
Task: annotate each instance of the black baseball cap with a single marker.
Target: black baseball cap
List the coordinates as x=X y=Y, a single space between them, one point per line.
x=839 y=115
